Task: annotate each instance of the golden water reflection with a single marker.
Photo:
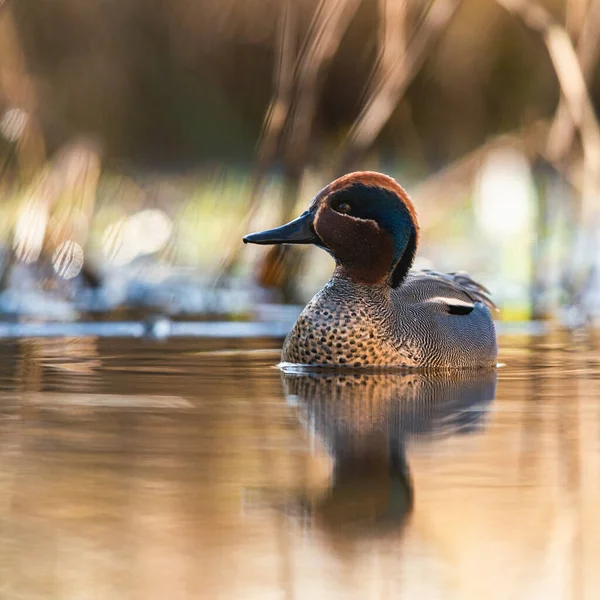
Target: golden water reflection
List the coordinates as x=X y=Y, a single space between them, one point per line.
x=366 y=421
x=188 y=470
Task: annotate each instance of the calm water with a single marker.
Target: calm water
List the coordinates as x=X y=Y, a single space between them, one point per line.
x=195 y=469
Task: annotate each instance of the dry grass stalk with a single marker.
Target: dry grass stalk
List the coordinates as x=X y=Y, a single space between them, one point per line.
x=283 y=84
x=562 y=132
x=292 y=109
x=272 y=129
x=53 y=219
x=325 y=34
x=17 y=92
x=570 y=67
x=568 y=71
x=394 y=76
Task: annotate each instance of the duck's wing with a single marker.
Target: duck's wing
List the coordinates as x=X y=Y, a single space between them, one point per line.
x=455 y=293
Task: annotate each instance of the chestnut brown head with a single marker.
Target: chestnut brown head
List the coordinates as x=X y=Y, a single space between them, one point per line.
x=365 y=220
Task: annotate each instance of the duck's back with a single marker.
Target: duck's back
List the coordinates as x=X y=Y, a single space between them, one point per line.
x=447 y=318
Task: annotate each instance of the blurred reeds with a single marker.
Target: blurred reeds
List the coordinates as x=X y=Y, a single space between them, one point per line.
x=145 y=137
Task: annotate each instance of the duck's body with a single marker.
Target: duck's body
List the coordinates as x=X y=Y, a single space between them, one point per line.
x=374 y=312
x=422 y=323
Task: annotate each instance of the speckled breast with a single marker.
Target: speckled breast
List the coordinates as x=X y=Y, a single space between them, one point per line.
x=331 y=333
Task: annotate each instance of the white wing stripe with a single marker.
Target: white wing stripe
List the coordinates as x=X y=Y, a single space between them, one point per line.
x=450 y=301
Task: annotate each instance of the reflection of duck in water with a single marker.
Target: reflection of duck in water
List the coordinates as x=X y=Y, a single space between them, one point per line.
x=365 y=420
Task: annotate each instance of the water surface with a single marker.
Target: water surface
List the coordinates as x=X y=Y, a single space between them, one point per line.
x=195 y=469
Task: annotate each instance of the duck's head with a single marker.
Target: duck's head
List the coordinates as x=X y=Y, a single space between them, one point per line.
x=365 y=220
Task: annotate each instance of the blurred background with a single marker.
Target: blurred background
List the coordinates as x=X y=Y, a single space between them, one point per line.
x=140 y=140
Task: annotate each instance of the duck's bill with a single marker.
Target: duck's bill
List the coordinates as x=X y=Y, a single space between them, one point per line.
x=298 y=231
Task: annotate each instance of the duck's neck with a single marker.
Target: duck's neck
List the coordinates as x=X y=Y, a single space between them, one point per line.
x=342 y=280
x=407 y=257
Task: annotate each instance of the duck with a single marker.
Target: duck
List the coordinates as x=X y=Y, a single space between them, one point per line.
x=375 y=311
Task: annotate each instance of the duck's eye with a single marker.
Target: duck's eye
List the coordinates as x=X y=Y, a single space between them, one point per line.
x=343 y=208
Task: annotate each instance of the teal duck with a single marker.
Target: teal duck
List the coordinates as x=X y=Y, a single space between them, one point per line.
x=375 y=311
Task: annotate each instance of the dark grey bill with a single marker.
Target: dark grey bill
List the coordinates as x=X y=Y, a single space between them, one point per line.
x=298 y=231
